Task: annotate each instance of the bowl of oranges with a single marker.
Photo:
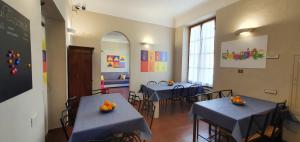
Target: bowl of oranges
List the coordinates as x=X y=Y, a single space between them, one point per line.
x=237 y=100
x=107 y=106
x=171 y=82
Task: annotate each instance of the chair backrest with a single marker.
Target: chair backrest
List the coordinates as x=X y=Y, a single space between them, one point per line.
x=145 y=92
x=163 y=82
x=257 y=124
x=66 y=123
x=151 y=82
x=225 y=93
x=212 y=95
x=177 y=91
x=207 y=88
x=72 y=105
x=194 y=89
x=278 y=116
x=148 y=111
x=134 y=99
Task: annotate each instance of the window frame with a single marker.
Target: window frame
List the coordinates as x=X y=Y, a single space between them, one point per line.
x=189 y=40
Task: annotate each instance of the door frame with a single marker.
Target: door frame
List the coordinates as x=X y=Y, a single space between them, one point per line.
x=295 y=82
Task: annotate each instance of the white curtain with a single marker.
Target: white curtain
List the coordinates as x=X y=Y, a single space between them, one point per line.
x=201 y=53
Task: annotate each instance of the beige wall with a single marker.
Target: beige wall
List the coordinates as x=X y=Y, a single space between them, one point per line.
x=91 y=27
x=181 y=52
x=15 y=125
x=56 y=62
x=279 y=20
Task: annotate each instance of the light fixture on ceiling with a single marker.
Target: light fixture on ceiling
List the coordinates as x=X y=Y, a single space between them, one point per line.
x=244 y=32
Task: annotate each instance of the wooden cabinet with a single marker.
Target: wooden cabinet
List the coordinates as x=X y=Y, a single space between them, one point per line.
x=80 y=71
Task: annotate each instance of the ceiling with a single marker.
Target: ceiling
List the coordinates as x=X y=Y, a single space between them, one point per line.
x=161 y=12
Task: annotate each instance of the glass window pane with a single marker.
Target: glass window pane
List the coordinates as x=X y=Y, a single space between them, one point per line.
x=201 y=53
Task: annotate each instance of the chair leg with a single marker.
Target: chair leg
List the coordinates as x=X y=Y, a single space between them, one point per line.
x=209 y=129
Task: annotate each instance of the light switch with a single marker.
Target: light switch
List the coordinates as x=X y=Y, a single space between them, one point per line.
x=271 y=92
x=33 y=120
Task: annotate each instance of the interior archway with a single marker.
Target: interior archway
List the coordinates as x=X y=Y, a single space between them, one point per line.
x=115 y=62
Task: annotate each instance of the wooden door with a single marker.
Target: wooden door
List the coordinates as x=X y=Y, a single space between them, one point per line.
x=80 y=71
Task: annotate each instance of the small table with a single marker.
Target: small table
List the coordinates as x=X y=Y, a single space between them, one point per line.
x=91 y=124
x=229 y=116
x=163 y=91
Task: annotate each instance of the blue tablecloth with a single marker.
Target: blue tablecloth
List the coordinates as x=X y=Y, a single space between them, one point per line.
x=164 y=91
x=91 y=124
x=229 y=116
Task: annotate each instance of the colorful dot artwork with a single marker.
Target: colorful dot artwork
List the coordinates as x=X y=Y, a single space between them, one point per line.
x=243 y=55
x=13 y=61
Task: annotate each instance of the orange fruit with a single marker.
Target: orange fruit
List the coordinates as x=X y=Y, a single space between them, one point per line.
x=107 y=102
x=104 y=108
x=109 y=107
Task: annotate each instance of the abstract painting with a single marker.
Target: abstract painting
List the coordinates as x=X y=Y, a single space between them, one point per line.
x=153 y=61
x=248 y=52
x=115 y=61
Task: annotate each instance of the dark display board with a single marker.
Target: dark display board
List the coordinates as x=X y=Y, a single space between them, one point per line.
x=15 y=53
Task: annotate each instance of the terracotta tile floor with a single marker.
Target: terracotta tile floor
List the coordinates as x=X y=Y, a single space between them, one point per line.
x=172 y=126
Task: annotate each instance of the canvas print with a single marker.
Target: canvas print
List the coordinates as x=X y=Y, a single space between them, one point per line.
x=115 y=61
x=248 y=52
x=153 y=61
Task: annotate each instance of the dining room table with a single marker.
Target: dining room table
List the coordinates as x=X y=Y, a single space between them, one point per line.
x=92 y=124
x=231 y=117
x=162 y=91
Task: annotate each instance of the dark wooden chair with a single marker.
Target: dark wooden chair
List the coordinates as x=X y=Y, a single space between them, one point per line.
x=134 y=100
x=225 y=93
x=148 y=110
x=145 y=92
x=255 y=130
x=194 y=92
x=71 y=106
x=151 y=82
x=212 y=128
x=66 y=123
x=124 y=137
x=256 y=125
x=176 y=96
x=273 y=131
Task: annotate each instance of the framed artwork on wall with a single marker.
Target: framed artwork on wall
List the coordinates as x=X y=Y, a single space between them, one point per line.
x=154 y=61
x=247 y=52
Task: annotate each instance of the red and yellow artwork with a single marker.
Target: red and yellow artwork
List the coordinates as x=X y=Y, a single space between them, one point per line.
x=114 y=61
x=153 y=61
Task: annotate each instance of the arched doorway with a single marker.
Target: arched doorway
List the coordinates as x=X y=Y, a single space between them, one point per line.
x=115 y=64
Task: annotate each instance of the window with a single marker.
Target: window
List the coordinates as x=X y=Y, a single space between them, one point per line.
x=201 y=53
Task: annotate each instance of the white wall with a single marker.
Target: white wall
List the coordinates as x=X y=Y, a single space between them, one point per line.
x=114 y=48
x=15 y=113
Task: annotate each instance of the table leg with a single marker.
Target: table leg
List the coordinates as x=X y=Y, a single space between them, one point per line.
x=156 y=113
x=195 y=129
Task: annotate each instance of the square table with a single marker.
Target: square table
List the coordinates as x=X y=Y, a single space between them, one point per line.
x=91 y=124
x=232 y=117
x=163 y=91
